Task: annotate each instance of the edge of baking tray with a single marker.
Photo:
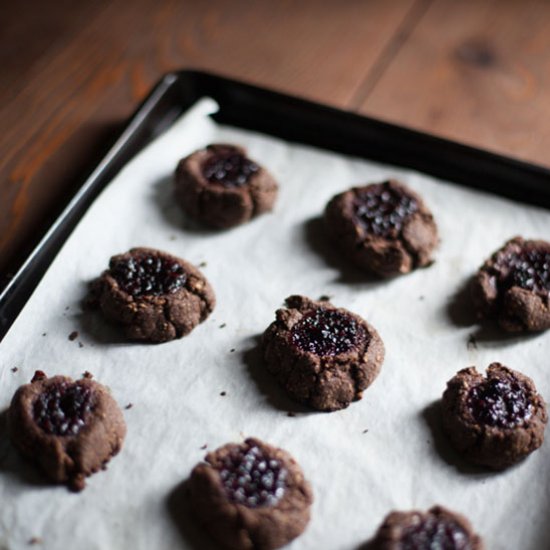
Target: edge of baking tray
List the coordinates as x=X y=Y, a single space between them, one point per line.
x=289 y=118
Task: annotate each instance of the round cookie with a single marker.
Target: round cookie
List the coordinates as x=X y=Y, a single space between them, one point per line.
x=251 y=496
x=322 y=356
x=70 y=429
x=437 y=528
x=155 y=296
x=221 y=187
x=496 y=420
x=513 y=286
x=384 y=228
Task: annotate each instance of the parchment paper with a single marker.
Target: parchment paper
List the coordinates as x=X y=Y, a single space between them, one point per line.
x=358 y=476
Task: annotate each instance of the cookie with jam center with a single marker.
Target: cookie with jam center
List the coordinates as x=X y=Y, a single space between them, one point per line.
x=323 y=356
x=495 y=420
x=221 y=187
x=251 y=496
x=71 y=429
x=437 y=528
x=513 y=286
x=384 y=228
x=155 y=296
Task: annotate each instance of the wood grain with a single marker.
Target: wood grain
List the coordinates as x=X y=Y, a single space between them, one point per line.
x=71 y=72
x=477 y=72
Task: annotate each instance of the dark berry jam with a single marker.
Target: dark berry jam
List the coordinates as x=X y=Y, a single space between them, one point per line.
x=144 y=274
x=500 y=402
x=528 y=269
x=252 y=478
x=435 y=533
x=229 y=168
x=63 y=408
x=327 y=332
x=382 y=209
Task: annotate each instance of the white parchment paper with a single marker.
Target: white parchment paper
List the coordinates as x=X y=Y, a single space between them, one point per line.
x=379 y=454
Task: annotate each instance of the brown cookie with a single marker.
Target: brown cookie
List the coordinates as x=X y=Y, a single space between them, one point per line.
x=155 y=296
x=495 y=420
x=322 y=356
x=70 y=429
x=384 y=228
x=221 y=187
x=251 y=496
x=436 y=528
x=513 y=286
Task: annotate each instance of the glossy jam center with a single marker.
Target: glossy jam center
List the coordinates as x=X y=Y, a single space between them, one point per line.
x=230 y=169
x=435 y=533
x=327 y=332
x=503 y=403
x=63 y=408
x=253 y=479
x=382 y=210
x=529 y=269
x=143 y=274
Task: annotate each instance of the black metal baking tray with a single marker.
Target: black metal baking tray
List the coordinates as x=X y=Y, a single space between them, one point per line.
x=291 y=119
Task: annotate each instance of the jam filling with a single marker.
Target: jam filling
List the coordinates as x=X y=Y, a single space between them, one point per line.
x=63 y=408
x=252 y=478
x=503 y=403
x=528 y=269
x=229 y=168
x=435 y=533
x=143 y=274
x=382 y=210
x=327 y=332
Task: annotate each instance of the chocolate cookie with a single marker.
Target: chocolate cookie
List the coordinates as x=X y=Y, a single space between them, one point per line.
x=384 y=228
x=323 y=356
x=221 y=187
x=495 y=420
x=437 y=528
x=155 y=296
x=513 y=286
x=71 y=429
x=251 y=496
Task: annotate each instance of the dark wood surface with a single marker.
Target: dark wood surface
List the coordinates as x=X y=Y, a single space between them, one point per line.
x=71 y=73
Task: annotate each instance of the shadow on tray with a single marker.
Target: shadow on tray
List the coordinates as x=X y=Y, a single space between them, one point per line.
x=182 y=516
x=12 y=463
x=266 y=383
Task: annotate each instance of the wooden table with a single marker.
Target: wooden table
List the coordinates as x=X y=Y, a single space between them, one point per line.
x=476 y=71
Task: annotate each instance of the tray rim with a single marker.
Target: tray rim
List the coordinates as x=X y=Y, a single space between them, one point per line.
x=375 y=139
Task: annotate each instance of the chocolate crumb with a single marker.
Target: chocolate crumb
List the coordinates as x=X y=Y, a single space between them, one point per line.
x=129 y=406
x=80 y=345
x=291 y=414
x=38 y=375
x=87 y=374
x=365 y=430
x=67 y=308
x=14 y=369
x=223 y=394
x=204 y=447
x=472 y=342
x=223 y=325
x=232 y=350
x=44 y=333
x=73 y=335
x=35 y=540
x=324 y=298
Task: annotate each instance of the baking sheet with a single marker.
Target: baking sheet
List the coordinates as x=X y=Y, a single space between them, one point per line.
x=382 y=453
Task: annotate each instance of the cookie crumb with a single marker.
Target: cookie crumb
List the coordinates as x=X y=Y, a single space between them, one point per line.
x=324 y=298
x=223 y=325
x=223 y=393
x=232 y=350
x=129 y=406
x=14 y=369
x=204 y=447
x=365 y=430
x=87 y=374
x=44 y=333
x=472 y=342
x=38 y=375
x=35 y=540
x=291 y=414
x=73 y=335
